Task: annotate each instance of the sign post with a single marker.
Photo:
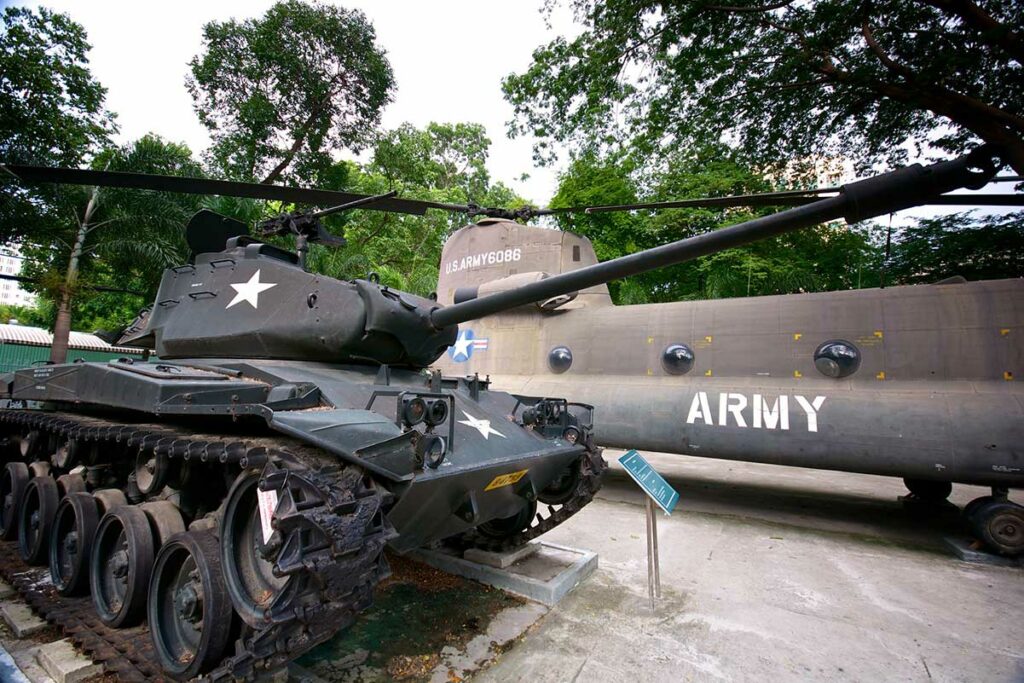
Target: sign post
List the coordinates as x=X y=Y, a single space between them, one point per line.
x=658 y=491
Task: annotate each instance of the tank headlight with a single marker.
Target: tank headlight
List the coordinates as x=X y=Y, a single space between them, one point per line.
x=430 y=449
x=414 y=410
x=437 y=412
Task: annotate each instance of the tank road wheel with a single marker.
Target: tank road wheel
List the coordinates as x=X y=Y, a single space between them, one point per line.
x=66 y=456
x=70 y=483
x=189 y=610
x=928 y=490
x=500 y=529
x=151 y=471
x=108 y=499
x=164 y=519
x=248 y=569
x=38 y=507
x=30 y=444
x=1000 y=524
x=120 y=564
x=71 y=538
x=12 y=489
x=40 y=468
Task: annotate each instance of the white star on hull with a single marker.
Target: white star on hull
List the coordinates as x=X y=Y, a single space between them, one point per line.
x=482 y=426
x=250 y=291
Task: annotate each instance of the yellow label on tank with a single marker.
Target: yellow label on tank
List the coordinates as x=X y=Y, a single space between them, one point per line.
x=506 y=479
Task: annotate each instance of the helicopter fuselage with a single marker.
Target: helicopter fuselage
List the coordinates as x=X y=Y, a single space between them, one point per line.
x=933 y=395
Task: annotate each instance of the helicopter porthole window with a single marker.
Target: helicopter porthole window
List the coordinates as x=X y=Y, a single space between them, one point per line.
x=837 y=358
x=677 y=359
x=560 y=359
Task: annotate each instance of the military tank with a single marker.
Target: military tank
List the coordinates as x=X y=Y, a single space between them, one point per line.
x=237 y=492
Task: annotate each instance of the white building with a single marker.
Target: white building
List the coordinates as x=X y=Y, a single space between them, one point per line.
x=11 y=293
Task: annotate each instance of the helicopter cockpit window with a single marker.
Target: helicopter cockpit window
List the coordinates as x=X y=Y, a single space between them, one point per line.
x=560 y=359
x=677 y=359
x=837 y=358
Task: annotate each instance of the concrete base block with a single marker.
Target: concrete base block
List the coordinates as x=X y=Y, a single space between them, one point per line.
x=65 y=664
x=964 y=548
x=500 y=560
x=6 y=590
x=21 y=619
x=546 y=575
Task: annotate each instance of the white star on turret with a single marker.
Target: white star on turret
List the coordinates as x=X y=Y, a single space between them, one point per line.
x=461 y=346
x=250 y=291
x=482 y=426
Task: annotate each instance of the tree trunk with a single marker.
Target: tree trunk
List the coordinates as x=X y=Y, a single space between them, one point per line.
x=62 y=325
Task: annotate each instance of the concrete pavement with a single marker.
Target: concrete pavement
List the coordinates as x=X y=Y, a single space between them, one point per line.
x=774 y=573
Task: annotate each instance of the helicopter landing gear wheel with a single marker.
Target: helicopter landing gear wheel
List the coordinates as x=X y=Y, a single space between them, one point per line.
x=928 y=490
x=189 y=610
x=120 y=565
x=1000 y=524
x=38 y=506
x=247 y=559
x=12 y=489
x=972 y=508
x=504 y=527
x=74 y=527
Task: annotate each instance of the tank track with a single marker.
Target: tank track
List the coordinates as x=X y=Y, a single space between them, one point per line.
x=592 y=467
x=318 y=498
x=127 y=653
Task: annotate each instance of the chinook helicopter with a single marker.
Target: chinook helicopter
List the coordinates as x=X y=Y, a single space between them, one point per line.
x=292 y=429
x=908 y=381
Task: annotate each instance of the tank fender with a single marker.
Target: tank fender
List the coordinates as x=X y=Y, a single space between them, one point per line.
x=360 y=437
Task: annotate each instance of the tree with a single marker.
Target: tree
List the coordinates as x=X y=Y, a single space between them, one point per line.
x=782 y=79
x=986 y=248
x=826 y=257
x=280 y=93
x=443 y=162
x=51 y=109
x=111 y=236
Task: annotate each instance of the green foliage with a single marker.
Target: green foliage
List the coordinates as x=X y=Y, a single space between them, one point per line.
x=823 y=258
x=984 y=248
x=131 y=238
x=282 y=92
x=51 y=110
x=32 y=317
x=784 y=80
x=443 y=162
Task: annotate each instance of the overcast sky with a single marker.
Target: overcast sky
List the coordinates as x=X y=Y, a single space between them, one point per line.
x=449 y=57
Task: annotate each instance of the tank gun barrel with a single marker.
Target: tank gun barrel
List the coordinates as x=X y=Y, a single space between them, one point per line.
x=900 y=189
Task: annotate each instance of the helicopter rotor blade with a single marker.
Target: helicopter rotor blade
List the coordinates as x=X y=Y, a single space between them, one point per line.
x=790 y=198
x=207 y=186
x=794 y=198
